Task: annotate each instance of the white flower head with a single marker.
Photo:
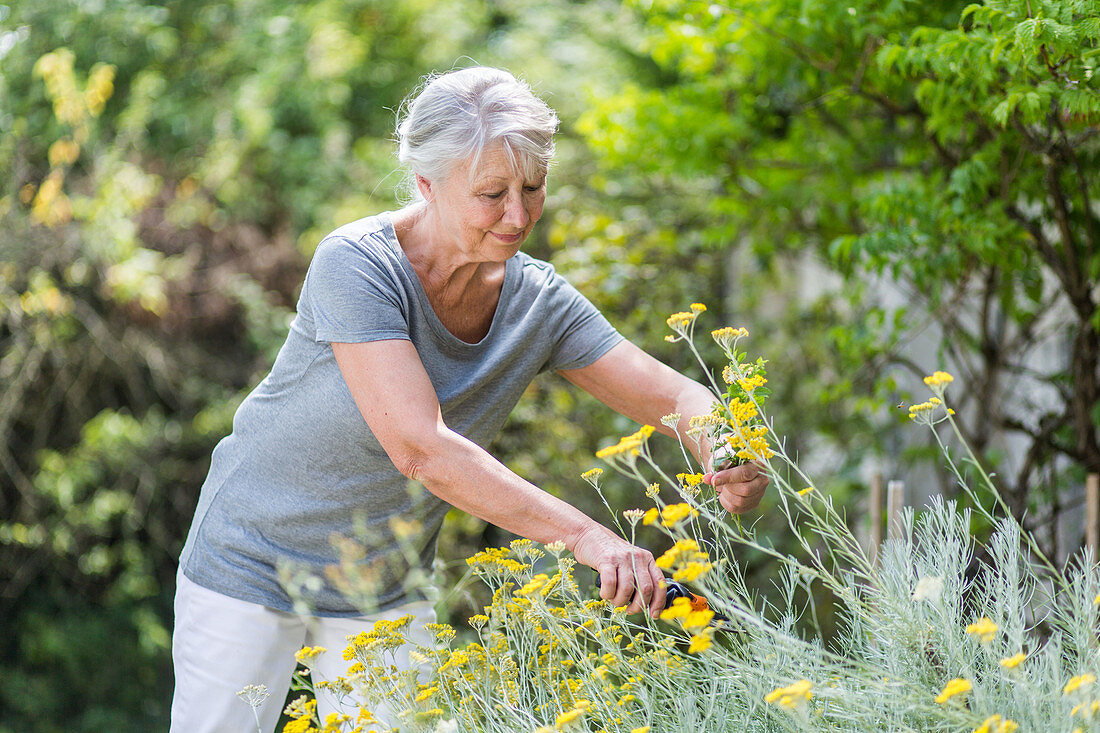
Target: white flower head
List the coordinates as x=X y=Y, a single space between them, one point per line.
x=929 y=588
x=254 y=695
x=671 y=420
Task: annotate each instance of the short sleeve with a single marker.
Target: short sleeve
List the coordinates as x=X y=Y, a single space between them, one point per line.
x=583 y=334
x=352 y=295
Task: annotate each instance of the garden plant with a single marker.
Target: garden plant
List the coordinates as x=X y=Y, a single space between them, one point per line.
x=927 y=638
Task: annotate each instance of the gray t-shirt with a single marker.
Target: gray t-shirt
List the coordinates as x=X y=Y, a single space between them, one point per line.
x=301 y=466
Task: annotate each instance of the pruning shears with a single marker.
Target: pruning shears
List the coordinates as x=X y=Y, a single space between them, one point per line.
x=675 y=589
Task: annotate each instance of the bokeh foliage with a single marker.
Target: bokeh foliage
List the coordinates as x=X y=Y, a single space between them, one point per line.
x=874 y=188
x=923 y=176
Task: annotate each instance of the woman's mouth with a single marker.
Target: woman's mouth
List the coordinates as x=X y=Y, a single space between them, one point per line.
x=509 y=238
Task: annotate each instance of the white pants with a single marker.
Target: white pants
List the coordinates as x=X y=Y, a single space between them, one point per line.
x=221 y=644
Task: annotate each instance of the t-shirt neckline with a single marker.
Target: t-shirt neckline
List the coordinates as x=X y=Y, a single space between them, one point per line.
x=434 y=323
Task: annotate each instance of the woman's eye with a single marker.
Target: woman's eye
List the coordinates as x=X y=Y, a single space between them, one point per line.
x=532 y=189
x=494 y=196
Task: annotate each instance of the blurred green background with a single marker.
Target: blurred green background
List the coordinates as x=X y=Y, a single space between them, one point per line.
x=876 y=189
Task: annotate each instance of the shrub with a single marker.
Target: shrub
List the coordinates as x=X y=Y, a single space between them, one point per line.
x=925 y=642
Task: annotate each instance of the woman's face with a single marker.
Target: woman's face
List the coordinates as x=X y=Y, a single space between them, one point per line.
x=488 y=214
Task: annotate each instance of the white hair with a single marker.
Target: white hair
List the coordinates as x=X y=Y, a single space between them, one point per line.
x=455 y=116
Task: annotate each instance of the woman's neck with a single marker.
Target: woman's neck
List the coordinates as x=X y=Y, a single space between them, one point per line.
x=445 y=271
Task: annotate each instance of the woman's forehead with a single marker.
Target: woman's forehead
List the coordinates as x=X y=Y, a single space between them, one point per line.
x=498 y=163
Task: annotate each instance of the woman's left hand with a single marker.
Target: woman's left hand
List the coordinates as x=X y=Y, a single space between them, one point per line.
x=739 y=488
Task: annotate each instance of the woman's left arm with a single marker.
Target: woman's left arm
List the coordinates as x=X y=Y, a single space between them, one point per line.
x=633 y=383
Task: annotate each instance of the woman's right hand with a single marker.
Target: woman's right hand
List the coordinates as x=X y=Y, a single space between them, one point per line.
x=627 y=573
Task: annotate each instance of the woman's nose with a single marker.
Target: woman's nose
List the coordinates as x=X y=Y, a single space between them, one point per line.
x=515 y=213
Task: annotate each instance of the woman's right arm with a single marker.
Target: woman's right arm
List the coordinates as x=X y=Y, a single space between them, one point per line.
x=396 y=398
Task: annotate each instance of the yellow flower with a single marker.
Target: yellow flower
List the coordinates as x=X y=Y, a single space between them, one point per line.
x=997 y=724
x=301 y=725
x=699 y=643
x=1096 y=601
x=1013 y=661
x=651 y=516
x=691 y=571
x=673 y=513
x=726 y=337
x=1086 y=709
x=803 y=492
x=643 y=729
x=792 y=696
x=1080 y=682
x=750 y=384
x=592 y=475
x=689 y=479
x=680 y=608
x=681 y=322
x=983 y=628
x=567 y=717
x=957 y=686
x=698 y=621
x=631 y=444
x=307 y=655
x=938 y=382
x=533 y=585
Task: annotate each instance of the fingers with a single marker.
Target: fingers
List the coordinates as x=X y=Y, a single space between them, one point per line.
x=633 y=580
x=740 y=488
x=657 y=602
x=609 y=584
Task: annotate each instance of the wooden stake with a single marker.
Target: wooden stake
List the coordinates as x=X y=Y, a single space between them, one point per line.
x=875 y=510
x=1092 y=514
x=895 y=502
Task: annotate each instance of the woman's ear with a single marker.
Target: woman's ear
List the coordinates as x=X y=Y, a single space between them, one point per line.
x=424 y=186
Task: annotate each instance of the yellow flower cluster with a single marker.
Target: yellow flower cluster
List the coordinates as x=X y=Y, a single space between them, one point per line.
x=983 y=628
x=670 y=515
x=750 y=443
x=1013 y=661
x=751 y=384
x=957 y=686
x=691 y=618
x=924 y=412
x=302 y=712
x=938 y=382
x=727 y=337
x=496 y=559
x=307 y=655
x=533 y=585
x=997 y=724
x=384 y=636
x=686 y=561
x=741 y=412
x=705 y=421
x=1079 y=682
x=689 y=479
x=571 y=716
x=1086 y=710
x=592 y=476
x=631 y=444
x=791 y=697
x=681 y=323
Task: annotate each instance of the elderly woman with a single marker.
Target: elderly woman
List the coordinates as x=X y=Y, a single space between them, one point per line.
x=416 y=333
